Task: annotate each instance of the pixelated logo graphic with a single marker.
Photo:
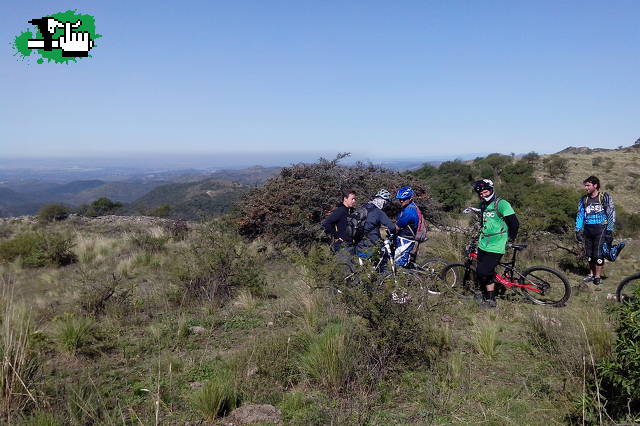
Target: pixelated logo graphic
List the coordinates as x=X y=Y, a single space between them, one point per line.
x=59 y=37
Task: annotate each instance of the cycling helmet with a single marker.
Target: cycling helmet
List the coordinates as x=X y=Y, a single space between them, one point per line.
x=404 y=193
x=384 y=194
x=481 y=185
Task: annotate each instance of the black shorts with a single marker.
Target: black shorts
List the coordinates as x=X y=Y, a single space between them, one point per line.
x=593 y=239
x=486 y=266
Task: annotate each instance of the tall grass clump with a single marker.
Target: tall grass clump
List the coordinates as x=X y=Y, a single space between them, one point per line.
x=40 y=419
x=149 y=242
x=18 y=365
x=486 y=339
x=328 y=359
x=219 y=396
x=73 y=333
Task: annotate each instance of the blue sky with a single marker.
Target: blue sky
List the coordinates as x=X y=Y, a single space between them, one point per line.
x=380 y=79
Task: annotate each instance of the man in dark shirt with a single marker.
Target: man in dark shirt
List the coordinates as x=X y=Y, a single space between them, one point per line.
x=336 y=225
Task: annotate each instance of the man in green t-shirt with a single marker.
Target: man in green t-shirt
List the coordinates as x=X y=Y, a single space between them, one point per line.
x=499 y=226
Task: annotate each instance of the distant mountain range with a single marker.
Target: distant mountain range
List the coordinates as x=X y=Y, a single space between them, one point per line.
x=187 y=193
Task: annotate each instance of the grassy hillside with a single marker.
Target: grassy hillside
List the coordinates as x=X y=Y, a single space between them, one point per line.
x=150 y=319
x=192 y=200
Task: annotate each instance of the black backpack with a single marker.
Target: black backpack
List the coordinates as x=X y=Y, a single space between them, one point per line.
x=356 y=221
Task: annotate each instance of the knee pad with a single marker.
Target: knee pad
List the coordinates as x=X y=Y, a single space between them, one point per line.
x=599 y=261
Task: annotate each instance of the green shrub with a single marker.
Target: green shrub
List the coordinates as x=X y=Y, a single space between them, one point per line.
x=290 y=207
x=73 y=333
x=53 y=211
x=394 y=331
x=219 y=396
x=299 y=410
x=161 y=211
x=217 y=263
x=38 y=248
x=621 y=373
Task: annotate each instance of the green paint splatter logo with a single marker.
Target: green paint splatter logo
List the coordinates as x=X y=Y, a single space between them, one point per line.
x=59 y=37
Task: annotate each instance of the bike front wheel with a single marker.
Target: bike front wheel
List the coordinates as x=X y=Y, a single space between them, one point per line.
x=547 y=286
x=459 y=279
x=627 y=290
x=428 y=274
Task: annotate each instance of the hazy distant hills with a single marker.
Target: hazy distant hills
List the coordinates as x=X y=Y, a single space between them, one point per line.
x=185 y=190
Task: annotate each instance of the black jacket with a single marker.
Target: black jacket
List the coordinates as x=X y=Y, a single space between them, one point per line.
x=336 y=223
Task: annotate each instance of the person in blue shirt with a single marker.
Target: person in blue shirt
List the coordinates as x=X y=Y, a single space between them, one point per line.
x=406 y=226
x=595 y=222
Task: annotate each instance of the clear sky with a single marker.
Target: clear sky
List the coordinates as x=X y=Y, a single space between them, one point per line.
x=385 y=79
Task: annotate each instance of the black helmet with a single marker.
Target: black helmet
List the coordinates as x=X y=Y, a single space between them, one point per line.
x=481 y=185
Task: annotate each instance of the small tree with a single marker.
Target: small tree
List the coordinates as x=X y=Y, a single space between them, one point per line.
x=102 y=206
x=53 y=211
x=557 y=167
x=531 y=158
x=161 y=211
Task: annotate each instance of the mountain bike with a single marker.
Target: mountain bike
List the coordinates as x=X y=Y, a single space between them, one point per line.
x=413 y=283
x=540 y=284
x=628 y=288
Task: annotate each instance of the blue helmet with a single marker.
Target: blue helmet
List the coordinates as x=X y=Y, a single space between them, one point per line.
x=404 y=193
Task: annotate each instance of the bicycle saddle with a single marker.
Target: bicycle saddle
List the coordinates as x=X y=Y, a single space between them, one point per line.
x=518 y=247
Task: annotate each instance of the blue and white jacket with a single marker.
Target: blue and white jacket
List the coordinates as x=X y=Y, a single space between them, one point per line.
x=605 y=214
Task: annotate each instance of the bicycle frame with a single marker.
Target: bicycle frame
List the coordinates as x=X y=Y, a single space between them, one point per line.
x=509 y=268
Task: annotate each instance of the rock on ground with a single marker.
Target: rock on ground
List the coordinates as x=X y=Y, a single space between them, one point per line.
x=251 y=414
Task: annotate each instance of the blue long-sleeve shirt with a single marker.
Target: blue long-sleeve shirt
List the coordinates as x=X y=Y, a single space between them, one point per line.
x=601 y=213
x=408 y=221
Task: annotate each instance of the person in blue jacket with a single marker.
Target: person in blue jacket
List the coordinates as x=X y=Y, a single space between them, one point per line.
x=595 y=222
x=406 y=226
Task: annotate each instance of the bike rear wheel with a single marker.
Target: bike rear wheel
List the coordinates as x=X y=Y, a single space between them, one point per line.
x=553 y=286
x=628 y=289
x=459 y=279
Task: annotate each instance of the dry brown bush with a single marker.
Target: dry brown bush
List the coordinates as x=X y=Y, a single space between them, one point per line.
x=291 y=205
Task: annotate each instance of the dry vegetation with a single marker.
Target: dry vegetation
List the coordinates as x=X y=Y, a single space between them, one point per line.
x=155 y=322
x=122 y=335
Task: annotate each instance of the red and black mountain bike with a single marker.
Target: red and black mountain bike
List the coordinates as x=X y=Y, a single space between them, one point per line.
x=540 y=284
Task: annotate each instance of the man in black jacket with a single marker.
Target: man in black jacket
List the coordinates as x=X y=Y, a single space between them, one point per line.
x=336 y=225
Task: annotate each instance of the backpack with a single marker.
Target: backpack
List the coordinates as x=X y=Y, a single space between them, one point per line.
x=495 y=202
x=421 y=233
x=355 y=223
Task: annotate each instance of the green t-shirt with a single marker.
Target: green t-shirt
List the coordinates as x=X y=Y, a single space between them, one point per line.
x=493 y=237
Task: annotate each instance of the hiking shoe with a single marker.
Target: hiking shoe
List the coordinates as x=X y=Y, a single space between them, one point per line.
x=488 y=304
x=587 y=279
x=597 y=280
